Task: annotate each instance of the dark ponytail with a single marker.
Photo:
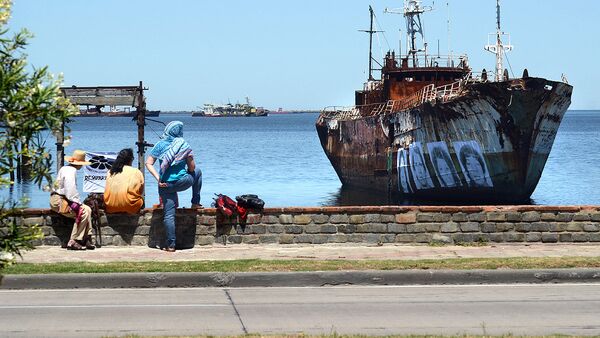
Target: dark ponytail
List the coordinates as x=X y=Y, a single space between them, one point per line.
x=124 y=158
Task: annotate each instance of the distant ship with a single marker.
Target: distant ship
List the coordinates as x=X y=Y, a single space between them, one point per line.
x=97 y=112
x=431 y=128
x=231 y=110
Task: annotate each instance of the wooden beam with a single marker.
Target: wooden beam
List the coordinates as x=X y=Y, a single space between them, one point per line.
x=104 y=100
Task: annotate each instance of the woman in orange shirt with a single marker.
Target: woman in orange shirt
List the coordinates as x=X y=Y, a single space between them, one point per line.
x=124 y=185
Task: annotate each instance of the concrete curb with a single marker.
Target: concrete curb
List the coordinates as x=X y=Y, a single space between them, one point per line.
x=297 y=279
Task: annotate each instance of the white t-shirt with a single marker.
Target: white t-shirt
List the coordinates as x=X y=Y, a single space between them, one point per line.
x=66 y=183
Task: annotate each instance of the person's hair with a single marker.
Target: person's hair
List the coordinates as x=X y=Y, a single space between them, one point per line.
x=467 y=150
x=124 y=158
x=438 y=152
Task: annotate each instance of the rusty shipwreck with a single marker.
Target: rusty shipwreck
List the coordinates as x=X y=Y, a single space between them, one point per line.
x=432 y=128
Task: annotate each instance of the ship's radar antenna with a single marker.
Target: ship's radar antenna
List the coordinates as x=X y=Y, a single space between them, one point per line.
x=412 y=13
x=499 y=48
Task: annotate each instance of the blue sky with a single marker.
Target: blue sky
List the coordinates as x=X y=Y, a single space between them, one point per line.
x=290 y=53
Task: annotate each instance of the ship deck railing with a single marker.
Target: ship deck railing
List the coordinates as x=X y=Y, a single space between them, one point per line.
x=429 y=93
x=431 y=61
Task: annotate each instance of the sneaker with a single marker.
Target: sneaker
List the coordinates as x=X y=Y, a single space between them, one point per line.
x=73 y=245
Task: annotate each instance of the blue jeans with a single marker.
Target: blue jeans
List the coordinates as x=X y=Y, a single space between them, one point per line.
x=170 y=201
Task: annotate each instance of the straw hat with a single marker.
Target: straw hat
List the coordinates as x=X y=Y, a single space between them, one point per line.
x=78 y=158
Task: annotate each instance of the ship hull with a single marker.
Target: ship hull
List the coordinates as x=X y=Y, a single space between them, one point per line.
x=489 y=143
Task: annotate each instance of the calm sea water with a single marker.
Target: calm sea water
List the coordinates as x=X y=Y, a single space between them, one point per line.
x=279 y=158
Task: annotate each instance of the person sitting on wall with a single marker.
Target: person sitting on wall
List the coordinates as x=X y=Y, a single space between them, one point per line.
x=64 y=199
x=124 y=185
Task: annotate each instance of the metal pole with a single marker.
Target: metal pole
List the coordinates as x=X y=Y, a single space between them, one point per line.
x=60 y=149
x=141 y=120
x=371 y=46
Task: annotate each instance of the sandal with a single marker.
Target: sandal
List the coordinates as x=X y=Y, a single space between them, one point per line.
x=73 y=245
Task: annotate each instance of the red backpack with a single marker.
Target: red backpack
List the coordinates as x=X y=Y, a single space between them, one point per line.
x=225 y=205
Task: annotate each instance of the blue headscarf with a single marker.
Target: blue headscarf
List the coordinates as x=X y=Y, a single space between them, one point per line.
x=172 y=149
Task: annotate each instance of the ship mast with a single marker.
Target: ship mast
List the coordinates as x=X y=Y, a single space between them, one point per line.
x=412 y=13
x=499 y=47
x=371 y=32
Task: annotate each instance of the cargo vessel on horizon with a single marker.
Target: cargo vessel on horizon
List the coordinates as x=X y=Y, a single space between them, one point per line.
x=431 y=128
x=231 y=110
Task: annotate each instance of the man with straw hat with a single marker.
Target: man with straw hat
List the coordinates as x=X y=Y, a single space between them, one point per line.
x=65 y=200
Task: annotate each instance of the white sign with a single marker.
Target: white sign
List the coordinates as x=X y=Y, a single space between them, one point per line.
x=94 y=175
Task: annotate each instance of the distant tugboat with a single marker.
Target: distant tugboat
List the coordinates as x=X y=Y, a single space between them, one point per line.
x=430 y=128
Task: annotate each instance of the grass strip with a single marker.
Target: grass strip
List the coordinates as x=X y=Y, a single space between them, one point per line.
x=258 y=265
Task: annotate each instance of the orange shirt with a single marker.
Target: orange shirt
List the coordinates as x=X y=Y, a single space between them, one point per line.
x=123 y=191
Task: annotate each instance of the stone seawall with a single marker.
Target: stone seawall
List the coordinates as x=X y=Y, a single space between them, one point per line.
x=388 y=224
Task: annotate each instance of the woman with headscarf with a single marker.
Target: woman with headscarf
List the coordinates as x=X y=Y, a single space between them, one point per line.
x=178 y=172
x=65 y=200
x=124 y=185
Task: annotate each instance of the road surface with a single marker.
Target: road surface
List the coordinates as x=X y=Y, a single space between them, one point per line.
x=541 y=309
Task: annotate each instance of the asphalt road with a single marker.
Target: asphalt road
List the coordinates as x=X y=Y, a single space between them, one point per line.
x=475 y=309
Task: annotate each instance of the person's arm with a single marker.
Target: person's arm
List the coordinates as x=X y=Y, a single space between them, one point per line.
x=191 y=165
x=150 y=166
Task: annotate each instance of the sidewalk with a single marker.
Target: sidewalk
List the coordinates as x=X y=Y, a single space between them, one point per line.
x=52 y=254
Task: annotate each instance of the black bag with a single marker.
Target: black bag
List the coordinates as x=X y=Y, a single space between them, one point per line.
x=251 y=202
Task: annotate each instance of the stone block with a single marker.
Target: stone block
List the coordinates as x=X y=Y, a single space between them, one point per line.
x=259 y=229
x=406 y=218
x=530 y=216
x=416 y=228
x=268 y=239
x=312 y=229
x=405 y=238
x=142 y=230
x=269 y=219
x=469 y=227
x=425 y=217
x=117 y=240
x=275 y=229
x=540 y=226
x=48 y=220
x=347 y=228
x=336 y=219
x=591 y=227
x=389 y=218
x=372 y=238
x=396 y=228
x=442 y=217
x=533 y=236
x=558 y=226
x=286 y=239
x=371 y=227
x=566 y=237
x=496 y=216
x=293 y=229
x=47 y=230
x=581 y=217
x=477 y=217
x=513 y=216
x=202 y=230
x=51 y=240
x=357 y=219
x=387 y=238
x=564 y=217
x=488 y=227
x=328 y=229
x=302 y=219
x=355 y=238
x=286 y=219
x=337 y=238
x=320 y=219
x=33 y=221
x=449 y=227
x=514 y=237
x=548 y=216
x=109 y=231
x=304 y=239
x=460 y=217
x=581 y=237
x=463 y=237
x=594 y=237
x=496 y=237
x=595 y=216
x=574 y=227
x=505 y=226
x=549 y=238
x=438 y=238
x=107 y=240
x=423 y=238
x=234 y=239
x=250 y=239
x=374 y=218
x=523 y=227
x=433 y=227
x=320 y=239
x=139 y=240
x=206 y=220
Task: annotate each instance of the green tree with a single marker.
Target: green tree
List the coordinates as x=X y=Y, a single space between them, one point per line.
x=30 y=103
